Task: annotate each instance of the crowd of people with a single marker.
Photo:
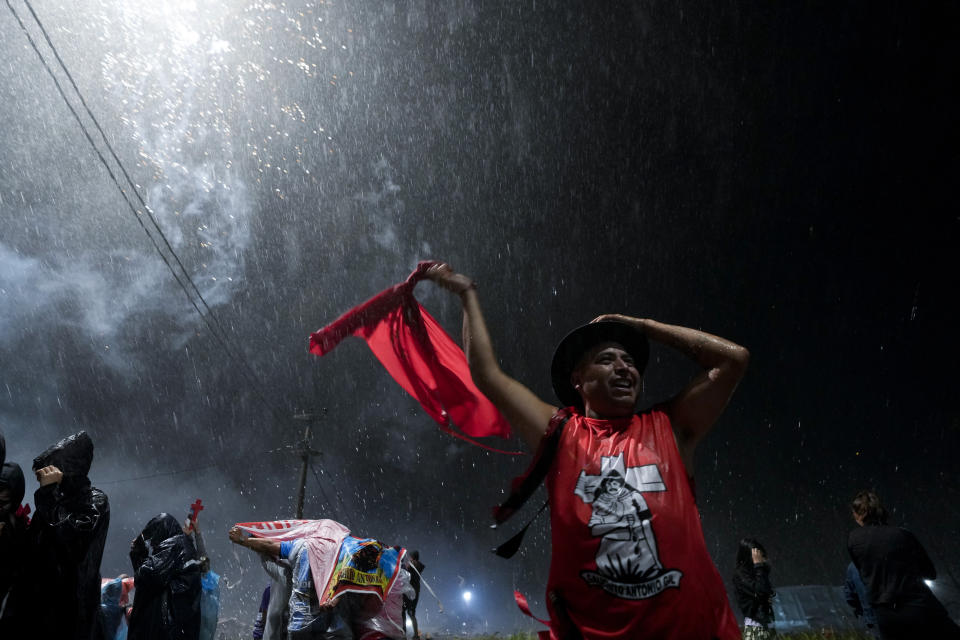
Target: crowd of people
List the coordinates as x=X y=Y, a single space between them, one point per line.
x=885 y=582
x=53 y=554
x=628 y=555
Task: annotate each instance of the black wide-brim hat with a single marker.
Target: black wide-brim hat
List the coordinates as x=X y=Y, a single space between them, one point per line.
x=578 y=341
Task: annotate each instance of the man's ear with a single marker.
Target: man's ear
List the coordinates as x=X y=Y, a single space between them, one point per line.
x=575 y=379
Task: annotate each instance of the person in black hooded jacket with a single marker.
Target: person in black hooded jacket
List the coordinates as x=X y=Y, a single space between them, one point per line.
x=13 y=529
x=166 y=604
x=755 y=594
x=66 y=535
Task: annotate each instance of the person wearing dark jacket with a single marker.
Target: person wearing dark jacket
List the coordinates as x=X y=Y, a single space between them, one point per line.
x=893 y=565
x=751 y=580
x=166 y=603
x=410 y=604
x=13 y=530
x=66 y=538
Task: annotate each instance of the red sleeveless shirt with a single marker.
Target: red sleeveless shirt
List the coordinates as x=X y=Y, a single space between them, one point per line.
x=629 y=559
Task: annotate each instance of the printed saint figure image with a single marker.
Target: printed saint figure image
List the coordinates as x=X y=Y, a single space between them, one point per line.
x=622 y=520
x=628 y=549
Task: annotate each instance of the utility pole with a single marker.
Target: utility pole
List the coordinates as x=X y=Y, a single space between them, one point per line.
x=305 y=452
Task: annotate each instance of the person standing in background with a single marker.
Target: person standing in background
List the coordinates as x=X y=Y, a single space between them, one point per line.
x=751 y=580
x=894 y=565
x=65 y=540
x=14 y=522
x=410 y=604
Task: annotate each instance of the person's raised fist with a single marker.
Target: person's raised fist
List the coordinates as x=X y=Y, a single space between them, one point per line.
x=49 y=475
x=449 y=279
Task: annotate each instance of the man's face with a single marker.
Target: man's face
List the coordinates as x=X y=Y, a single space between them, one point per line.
x=614 y=486
x=608 y=380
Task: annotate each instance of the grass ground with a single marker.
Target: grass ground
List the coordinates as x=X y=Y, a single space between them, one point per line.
x=823 y=635
x=826 y=634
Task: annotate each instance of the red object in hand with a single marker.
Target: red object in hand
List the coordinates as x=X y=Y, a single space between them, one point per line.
x=421 y=357
x=23 y=511
x=195 y=510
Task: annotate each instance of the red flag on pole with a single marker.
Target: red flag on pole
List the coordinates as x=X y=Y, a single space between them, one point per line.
x=421 y=357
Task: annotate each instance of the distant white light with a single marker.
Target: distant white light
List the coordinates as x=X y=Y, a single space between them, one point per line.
x=929 y=583
x=467 y=596
x=409 y=623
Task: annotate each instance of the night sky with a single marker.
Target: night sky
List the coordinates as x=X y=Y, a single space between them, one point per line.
x=783 y=175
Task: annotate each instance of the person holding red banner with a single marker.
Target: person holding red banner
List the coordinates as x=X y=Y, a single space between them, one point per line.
x=629 y=558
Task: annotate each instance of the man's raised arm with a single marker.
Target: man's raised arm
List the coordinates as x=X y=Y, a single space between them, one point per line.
x=694 y=410
x=525 y=412
x=270 y=548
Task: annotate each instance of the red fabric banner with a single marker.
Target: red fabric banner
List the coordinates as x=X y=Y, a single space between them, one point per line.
x=525 y=607
x=421 y=357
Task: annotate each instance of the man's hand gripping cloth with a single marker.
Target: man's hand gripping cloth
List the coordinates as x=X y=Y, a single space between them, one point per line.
x=339 y=562
x=421 y=357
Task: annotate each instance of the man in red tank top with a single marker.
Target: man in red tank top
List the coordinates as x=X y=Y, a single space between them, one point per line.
x=628 y=554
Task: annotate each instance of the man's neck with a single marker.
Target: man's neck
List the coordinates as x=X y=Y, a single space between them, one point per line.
x=607 y=415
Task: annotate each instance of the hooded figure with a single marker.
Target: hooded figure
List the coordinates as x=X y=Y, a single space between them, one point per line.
x=67 y=535
x=166 y=604
x=13 y=528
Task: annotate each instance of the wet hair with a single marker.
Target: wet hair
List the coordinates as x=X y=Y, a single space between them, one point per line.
x=867 y=506
x=414 y=559
x=745 y=553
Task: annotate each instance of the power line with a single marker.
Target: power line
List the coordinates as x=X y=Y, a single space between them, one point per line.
x=209 y=318
x=158 y=474
x=183 y=277
x=324 y=493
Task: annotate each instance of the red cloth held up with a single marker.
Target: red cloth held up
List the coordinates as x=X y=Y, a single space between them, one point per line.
x=421 y=357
